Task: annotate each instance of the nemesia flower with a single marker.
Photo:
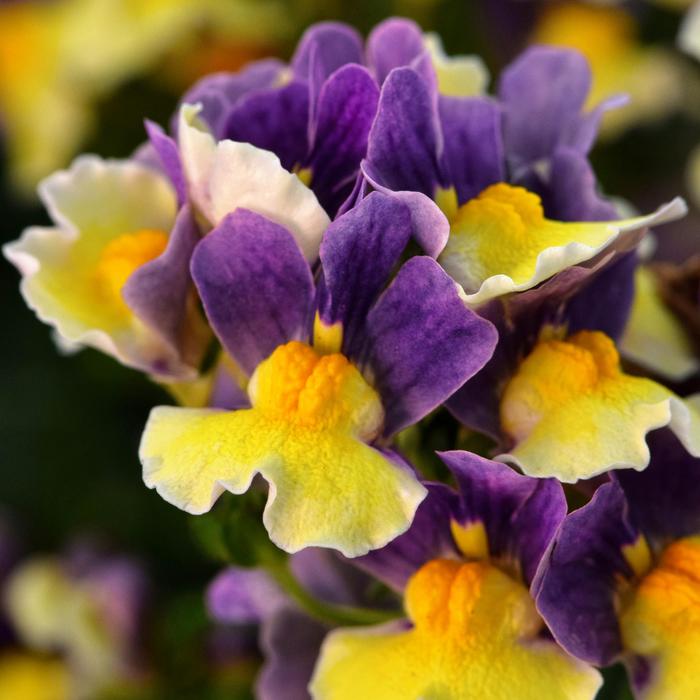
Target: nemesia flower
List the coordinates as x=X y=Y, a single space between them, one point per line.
x=290 y=638
x=82 y=607
x=113 y=271
x=464 y=568
x=59 y=58
x=493 y=237
x=324 y=401
x=620 y=580
x=555 y=396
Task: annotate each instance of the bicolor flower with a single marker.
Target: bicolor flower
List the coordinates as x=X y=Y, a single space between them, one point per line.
x=555 y=397
x=326 y=395
x=621 y=580
x=289 y=637
x=472 y=629
x=445 y=158
x=112 y=273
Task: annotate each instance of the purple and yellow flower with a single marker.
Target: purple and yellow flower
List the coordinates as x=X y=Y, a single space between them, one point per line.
x=484 y=180
x=78 y=621
x=112 y=273
x=621 y=580
x=335 y=369
x=555 y=396
x=472 y=629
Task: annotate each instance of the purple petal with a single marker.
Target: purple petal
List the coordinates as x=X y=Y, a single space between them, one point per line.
x=423 y=342
x=275 y=119
x=605 y=303
x=218 y=92
x=429 y=537
x=328 y=576
x=358 y=253
x=664 y=498
x=520 y=514
x=244 y=596
x=571 y=191
x=291 y=642
x=405 y=142
x=324 y=48
x=473 y=158
x=576 y=586
x=158 y=292
x=169 y=157
x=543 y=93
x=255 y=285
x=346 y=108
x=430 y=226
x=393 y=43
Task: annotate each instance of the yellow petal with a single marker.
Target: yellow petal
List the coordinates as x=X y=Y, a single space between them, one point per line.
x=654 y=338
x=305 y=435
x=572 y=413
x=662 y=623
x=457 y=76
x=27 y=677
x=474 y=635
x=500 y=241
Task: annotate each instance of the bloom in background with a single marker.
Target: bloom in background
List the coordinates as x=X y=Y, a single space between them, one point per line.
x=621 y=580
x=464 y=569
x=76 y=623
x=60 y=57
x=113 y=271
x=607 y=36
x=336 y=369
x=663 y=331
x=555 y=397
x=493 y=237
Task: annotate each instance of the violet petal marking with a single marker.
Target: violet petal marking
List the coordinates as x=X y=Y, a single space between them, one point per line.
x=424 y=343
x=255 y=285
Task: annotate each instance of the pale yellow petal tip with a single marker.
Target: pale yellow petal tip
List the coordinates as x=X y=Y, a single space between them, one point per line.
x=654 y=338
x=501 y=242
x=229 y=174
x=458 y=76
x=595 y=420
x=689 y=35
x=305 y=435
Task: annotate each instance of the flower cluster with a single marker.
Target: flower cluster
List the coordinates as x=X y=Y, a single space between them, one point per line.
x=318 y=260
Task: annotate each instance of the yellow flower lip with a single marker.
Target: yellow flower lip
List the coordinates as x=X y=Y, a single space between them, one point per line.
x=122 y=256
x=501 y=242
x=572 y=413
